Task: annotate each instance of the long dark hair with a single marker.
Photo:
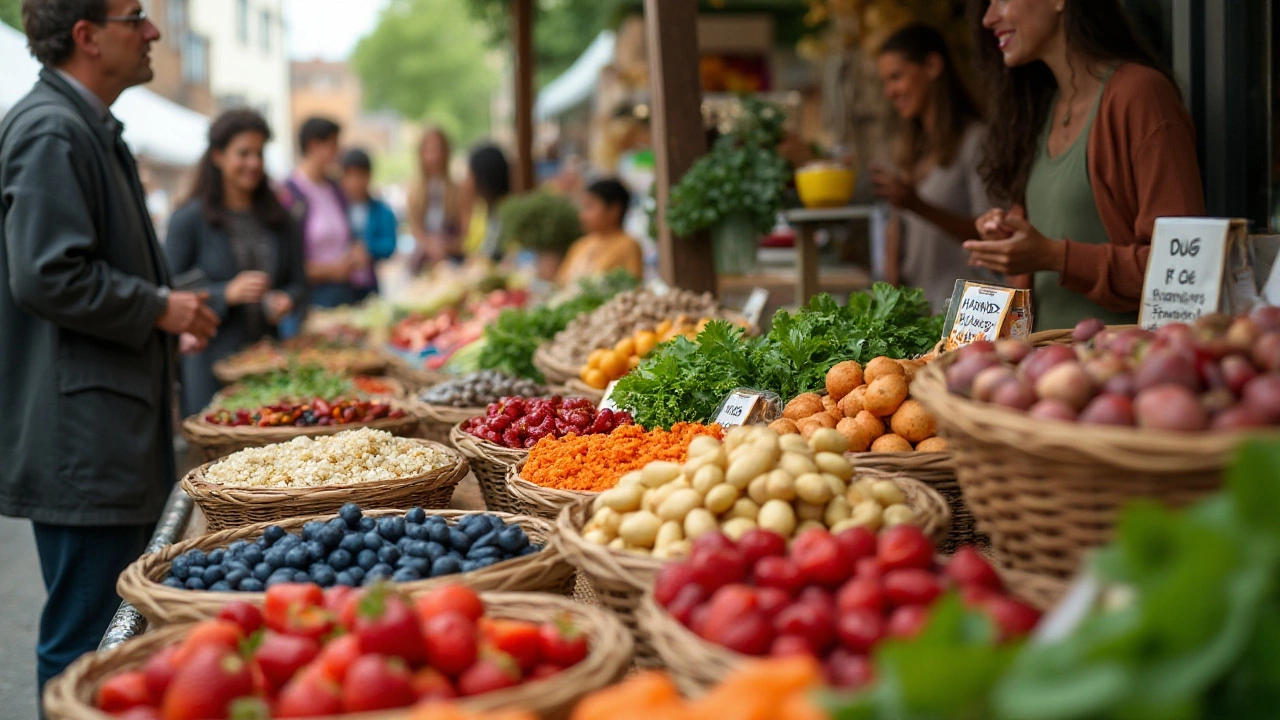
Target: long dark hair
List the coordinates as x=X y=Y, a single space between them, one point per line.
x=953 y=107
x=208 y=188
x=491 y=173
x=1021 y=98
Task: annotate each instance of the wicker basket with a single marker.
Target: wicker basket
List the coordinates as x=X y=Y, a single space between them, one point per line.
x=228 y=373
x=141 y=582
x=695 y=664
x=438 y=420
x=416 y=379
x=1046 y=491
x=231 y=507
x=215 y=441
x=70 y=696
x=577 y=388
x=554 y=370
x=933 y=513
x=539 y=501
x=490 y=463
x=937 y=470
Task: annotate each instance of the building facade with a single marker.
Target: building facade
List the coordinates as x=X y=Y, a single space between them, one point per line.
x=333 y=90
x=182 y=57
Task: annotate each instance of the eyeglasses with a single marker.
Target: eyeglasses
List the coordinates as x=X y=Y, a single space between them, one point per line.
x=135 y=19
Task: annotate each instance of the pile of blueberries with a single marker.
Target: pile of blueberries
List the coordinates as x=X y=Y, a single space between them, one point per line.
x=353 y=550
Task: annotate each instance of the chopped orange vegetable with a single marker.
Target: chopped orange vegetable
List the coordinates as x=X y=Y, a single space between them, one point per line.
x=644 y=696
x=592 y=463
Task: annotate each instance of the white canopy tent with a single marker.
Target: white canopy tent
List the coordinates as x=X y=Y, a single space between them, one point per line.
x=577 y=84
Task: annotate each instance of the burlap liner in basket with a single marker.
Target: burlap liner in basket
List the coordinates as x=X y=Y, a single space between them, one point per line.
x=230 y=507
x=216 y=441
x=490 y=463
x=438 y=420
x=141 y=582
x=556 y=371
x=543 y=502
x=1045 y=491
x=70 y=696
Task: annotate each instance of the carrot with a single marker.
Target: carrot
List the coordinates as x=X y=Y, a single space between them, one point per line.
x=593 y=463
x=645 y=696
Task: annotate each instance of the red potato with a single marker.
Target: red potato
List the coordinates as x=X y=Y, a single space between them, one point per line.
x=987 y=381
x=1263 y=394
x=1039 y=361
x=1242 y=334
x=1053 y=410
x=1266 y=352
x=1067 y=382
x=1017 y=395
x=1163 y=367
x=1170 y=407
x=1266 y=317
x=1240 y=417
x=1013 y=351
x=1108 y=409
x=1122 y=384
x=961 y=374
x=1086 y=329
x=1237 y=371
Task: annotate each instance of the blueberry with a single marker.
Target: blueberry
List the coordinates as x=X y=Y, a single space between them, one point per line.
x=252 y=555
x=252 y=584
x=422 y=566
x=512 y=539
x=435 y=550
x=288 y=542
x=273 y=533
x=367 y=559
x=195 y=584
x=418 y=548
x=529 y=550
x=340 y=559
x=405 y=575
x=366 y=524
x=323 y=575
x=486 y=562
x=237 y=576
x=196 y=572
x=220 y=586
x=297 y=558
x=352 y=543
x=277 y=579
x=329 y=536
x=356 y=574
x=213 y=574
x=350 y=514
x=310 y=528
x=446 y=565
x=416 y=515
x=468 y=565
x=180 y=566
x=174 y=582
x=197 y=558
x=337 y=524
x=391 y=528
x=381 y=570
x=485 y=540
x=301 y=576
x=476 y=529
x=404 y=543
x=389 y=554
x=237 y=548
x=373 y=540
x=485 y=552
x=459 y=540
x=438 y=532
x=417 y=532
x=344 y=578
x=262 y=571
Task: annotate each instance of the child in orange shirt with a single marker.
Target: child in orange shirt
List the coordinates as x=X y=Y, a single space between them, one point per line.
x=605 y=247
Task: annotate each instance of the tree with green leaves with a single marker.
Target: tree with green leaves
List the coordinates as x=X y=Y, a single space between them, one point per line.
x=427 y=60
x=562 y=29
x=11 y=13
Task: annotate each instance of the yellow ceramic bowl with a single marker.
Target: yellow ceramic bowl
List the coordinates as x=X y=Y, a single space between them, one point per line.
x=825 y=185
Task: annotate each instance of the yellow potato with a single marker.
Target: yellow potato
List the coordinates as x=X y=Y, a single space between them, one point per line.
x=885 y=395
x=870 y=424
x=785 y=426
x=850 y=405
x=859 y=439
x=828 y=403
x=842 y=378
x=880 y=367
x=891 y=443
x=913 y=422
x=933 y=444
x=803 y=406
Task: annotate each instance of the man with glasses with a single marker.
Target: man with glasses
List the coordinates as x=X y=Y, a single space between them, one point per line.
x=89 y=328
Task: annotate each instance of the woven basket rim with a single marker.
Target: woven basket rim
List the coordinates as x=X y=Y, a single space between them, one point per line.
x=633 y=569
x=553 y=370
x=69 y=696
x=477 y=447
x=140 y=583
x=930 y=507
x=196 y=428
x=1130 y=448
x=537 y=496
x=446 y=414
x=695 y=664
x=576 y=387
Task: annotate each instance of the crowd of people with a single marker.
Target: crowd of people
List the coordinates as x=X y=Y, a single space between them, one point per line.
x=1083 y=143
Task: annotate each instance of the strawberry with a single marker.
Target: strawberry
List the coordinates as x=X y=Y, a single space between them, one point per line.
x=386 y=625
x=516 y=638
x=309 y=621
x=545 y=670
x=377 y=682
x=123 y=691
x=969 y=569
x=140 y=712
x=562 y=643
x=284 y=598
x=449 y=598
x=451 y=643
x=336 y=657
x=281 y=656
x=159 y=672
x=494 y=671
x=431 y=685
x=247 y=616
x=336 y=601
x=218 y=634
x=206 y=685
x=309 y=694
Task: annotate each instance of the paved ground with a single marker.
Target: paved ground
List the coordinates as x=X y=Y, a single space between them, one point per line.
x=21 y=596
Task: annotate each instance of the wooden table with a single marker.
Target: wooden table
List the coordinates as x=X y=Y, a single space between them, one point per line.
x=807 y=223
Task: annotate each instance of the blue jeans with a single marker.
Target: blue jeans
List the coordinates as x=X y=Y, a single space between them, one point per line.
x=80 y=566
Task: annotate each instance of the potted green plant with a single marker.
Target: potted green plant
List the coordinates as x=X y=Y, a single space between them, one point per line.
x=542 y=222
x=736 y=190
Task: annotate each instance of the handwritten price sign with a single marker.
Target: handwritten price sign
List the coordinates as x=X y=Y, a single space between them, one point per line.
x=1184 y=272
x=980 y=315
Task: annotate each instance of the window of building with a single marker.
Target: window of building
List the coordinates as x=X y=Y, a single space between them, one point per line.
x=176 y=27
x=266 y=31
x=242 y=21
x=195 y=59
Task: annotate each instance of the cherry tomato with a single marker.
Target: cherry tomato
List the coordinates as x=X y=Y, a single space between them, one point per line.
x=911 y=586
x=904 y=546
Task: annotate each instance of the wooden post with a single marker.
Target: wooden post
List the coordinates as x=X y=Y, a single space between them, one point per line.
x=671 y=32
x=522 y=32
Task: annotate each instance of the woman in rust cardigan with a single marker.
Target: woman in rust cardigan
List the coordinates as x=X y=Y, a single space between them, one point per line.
x=1089 y=144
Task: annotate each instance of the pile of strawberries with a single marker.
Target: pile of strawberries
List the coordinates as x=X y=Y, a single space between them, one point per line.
x=310 y=652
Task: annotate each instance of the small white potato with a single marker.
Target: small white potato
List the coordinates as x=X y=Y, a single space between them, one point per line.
x=698 y=522
x=764 y=434
x=838 y=486
x=680 y=483
x=617 y=544
x=808 y=525
x=702 y=444
x=829 y=462
x=795 y=444
x=670 y=532
x=720 y=498
x=796 y=464
x=829 y=440
x=596 y=537
x=623 y=498
x=855 y=496
x=813 y=489
x=609 y=520
x=737 y=527
x=778 y=516
x=758 y=490
x=837 y=511
x=744 y=508
x=659 y=473
x=679 y=503
x=868 y=515
x=649 y=501
x=747 y=465
x=887 y=492
x=809 y=511
x=718 y=457
x=735 y=438
x=842 y=526
x=707 y=477
x=674 y=551
x=780 y=485
x=640 y=529
x=898 y=515
x=631 y=478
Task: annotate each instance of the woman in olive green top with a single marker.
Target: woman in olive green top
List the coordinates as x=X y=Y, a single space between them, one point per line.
x=1090 y=142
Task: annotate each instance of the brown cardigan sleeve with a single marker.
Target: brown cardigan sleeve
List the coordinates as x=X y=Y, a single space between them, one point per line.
x=1142 y=166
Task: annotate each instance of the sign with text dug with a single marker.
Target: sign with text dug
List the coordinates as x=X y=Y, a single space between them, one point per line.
x=1187 y=269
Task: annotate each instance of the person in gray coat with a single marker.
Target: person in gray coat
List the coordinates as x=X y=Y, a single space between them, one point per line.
x=89 y=328
x=234 y=233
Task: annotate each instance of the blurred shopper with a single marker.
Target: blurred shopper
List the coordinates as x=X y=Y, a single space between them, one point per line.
x=936 y=191
x=488 y=183
x=339 y=267
x=1091 y=143
x=89 y=329
x=373 y=222
x=233 y=230
x=606 y=246
x=434 y=204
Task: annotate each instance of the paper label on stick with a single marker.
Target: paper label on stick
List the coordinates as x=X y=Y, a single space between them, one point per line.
x=754 y=306
x=607 y=403
x=737 y=408
x=1184 y=272
x=980 y=314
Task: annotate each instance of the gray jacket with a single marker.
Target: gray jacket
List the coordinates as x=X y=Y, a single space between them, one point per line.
x=85 y=377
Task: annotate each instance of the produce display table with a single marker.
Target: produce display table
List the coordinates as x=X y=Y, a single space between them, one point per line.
x=807 y=223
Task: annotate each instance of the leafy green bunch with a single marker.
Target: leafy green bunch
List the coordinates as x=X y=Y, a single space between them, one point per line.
x=539 y=221
x=743 y=174
x=302 y=382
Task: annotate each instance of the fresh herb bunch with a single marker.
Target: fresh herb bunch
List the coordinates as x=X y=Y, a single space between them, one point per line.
x=301 y=383
x=509 y=342
x=685 y=381
x=539 y=221
x=742 y=175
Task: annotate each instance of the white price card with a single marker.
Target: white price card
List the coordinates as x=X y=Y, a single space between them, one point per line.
x=754 y=306
x=980 y=315
x=737 y=408
x=1184 y=272
x=607 y=403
